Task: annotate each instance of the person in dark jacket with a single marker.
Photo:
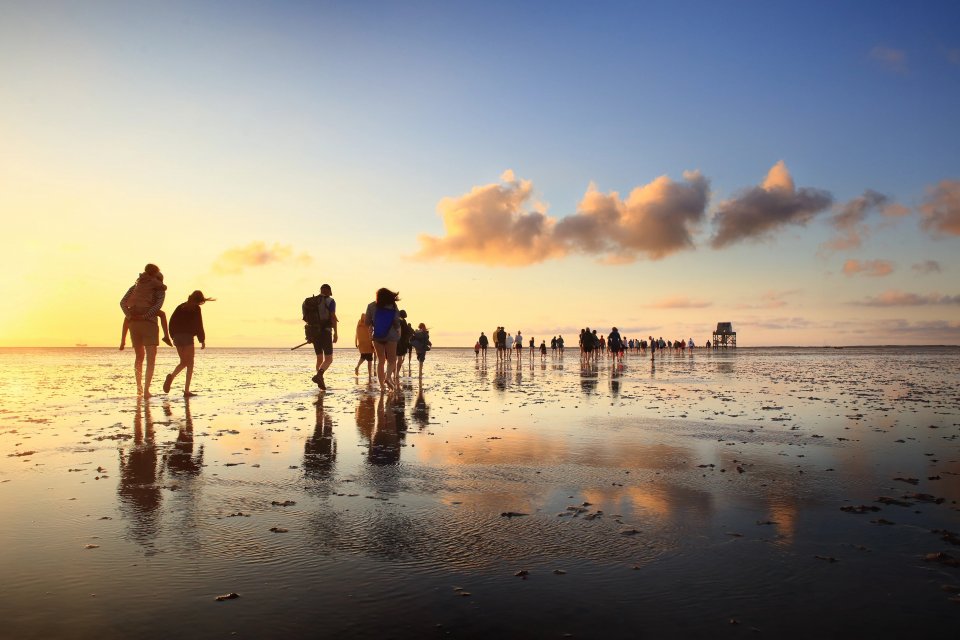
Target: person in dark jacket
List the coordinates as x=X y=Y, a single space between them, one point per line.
x=185 y=323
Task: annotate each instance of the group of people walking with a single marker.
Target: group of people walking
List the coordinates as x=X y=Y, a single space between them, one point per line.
x=143 y=318
x=383 y=337
x=591 y=345
x=383 y=334
x=505 y=344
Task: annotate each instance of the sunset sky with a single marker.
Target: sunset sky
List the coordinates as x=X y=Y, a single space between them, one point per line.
x=793 y=168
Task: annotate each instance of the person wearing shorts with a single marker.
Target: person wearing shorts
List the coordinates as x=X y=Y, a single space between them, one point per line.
x=144 y=334
x=383 y=318
x=185 y=323
x=364 y=344
x=325 y=337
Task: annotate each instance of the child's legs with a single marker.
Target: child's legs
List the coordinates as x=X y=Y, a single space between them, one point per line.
x=163 y=323
x=139 y=352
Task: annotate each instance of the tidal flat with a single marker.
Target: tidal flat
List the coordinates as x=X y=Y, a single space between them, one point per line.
x=729 y=493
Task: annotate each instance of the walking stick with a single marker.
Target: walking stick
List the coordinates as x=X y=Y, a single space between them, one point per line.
x=300 y=345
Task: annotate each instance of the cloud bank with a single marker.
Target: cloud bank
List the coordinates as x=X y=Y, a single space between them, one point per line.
x=681 y=302
x=257 y=254
x=499 y=224
x=489 y=225
x=758 y=212
x=927 y=266
x=850 y=219
x=873 y=268
x=769 y=300
x=904 y=299
x=654 y=221
x=941 y=209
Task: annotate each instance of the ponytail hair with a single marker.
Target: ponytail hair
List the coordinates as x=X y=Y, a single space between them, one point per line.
x=197 y=297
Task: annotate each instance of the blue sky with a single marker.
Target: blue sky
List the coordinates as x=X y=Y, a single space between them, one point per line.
x=337 y=129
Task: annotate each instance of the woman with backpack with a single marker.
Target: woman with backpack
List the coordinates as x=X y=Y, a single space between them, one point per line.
x=383 y=318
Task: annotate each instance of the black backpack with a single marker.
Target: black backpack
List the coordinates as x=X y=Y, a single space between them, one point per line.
x=316 y=310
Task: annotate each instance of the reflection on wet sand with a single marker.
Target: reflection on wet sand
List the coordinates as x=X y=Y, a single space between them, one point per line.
x=589 y=379
x=724 y=473
x=387 y=437
x=366 y=416
x=144 y=464
x=421 y=410
x=139 y=494
x=181 y=460
x=320 y=449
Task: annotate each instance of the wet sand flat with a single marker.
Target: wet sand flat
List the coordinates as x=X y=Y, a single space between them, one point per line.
x=781 y=492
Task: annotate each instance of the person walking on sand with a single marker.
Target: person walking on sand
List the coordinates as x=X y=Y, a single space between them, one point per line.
x=185 y=323
x=518 y=346
x=320 y=314
x=420 y=341
x=148 y=282
x=383 y=318
x=615 y=342
x=365 y=345
x=403 y=345
x=144 y=333
x=483 y=341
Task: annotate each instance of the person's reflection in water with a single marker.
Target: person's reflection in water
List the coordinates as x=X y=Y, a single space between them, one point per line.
x=589 y=379
x=320 y=450
x=500 y=378
x=139 y=494
x=398 y=404
x=366 y=416
x=181 y=460
x=421 y=410
x=615 y=380
x=385 y=446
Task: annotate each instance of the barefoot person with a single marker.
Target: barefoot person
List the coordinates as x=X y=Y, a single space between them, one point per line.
x=365 y=345
x=320 y=314
x=149 y=282
x=185 y=323
x=420 y=342
x=144 y=333
x=383 y=318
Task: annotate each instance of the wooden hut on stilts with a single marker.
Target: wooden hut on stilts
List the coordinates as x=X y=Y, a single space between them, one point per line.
x=724 y=336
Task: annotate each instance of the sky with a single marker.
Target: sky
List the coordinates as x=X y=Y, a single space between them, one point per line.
x=792 y=168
